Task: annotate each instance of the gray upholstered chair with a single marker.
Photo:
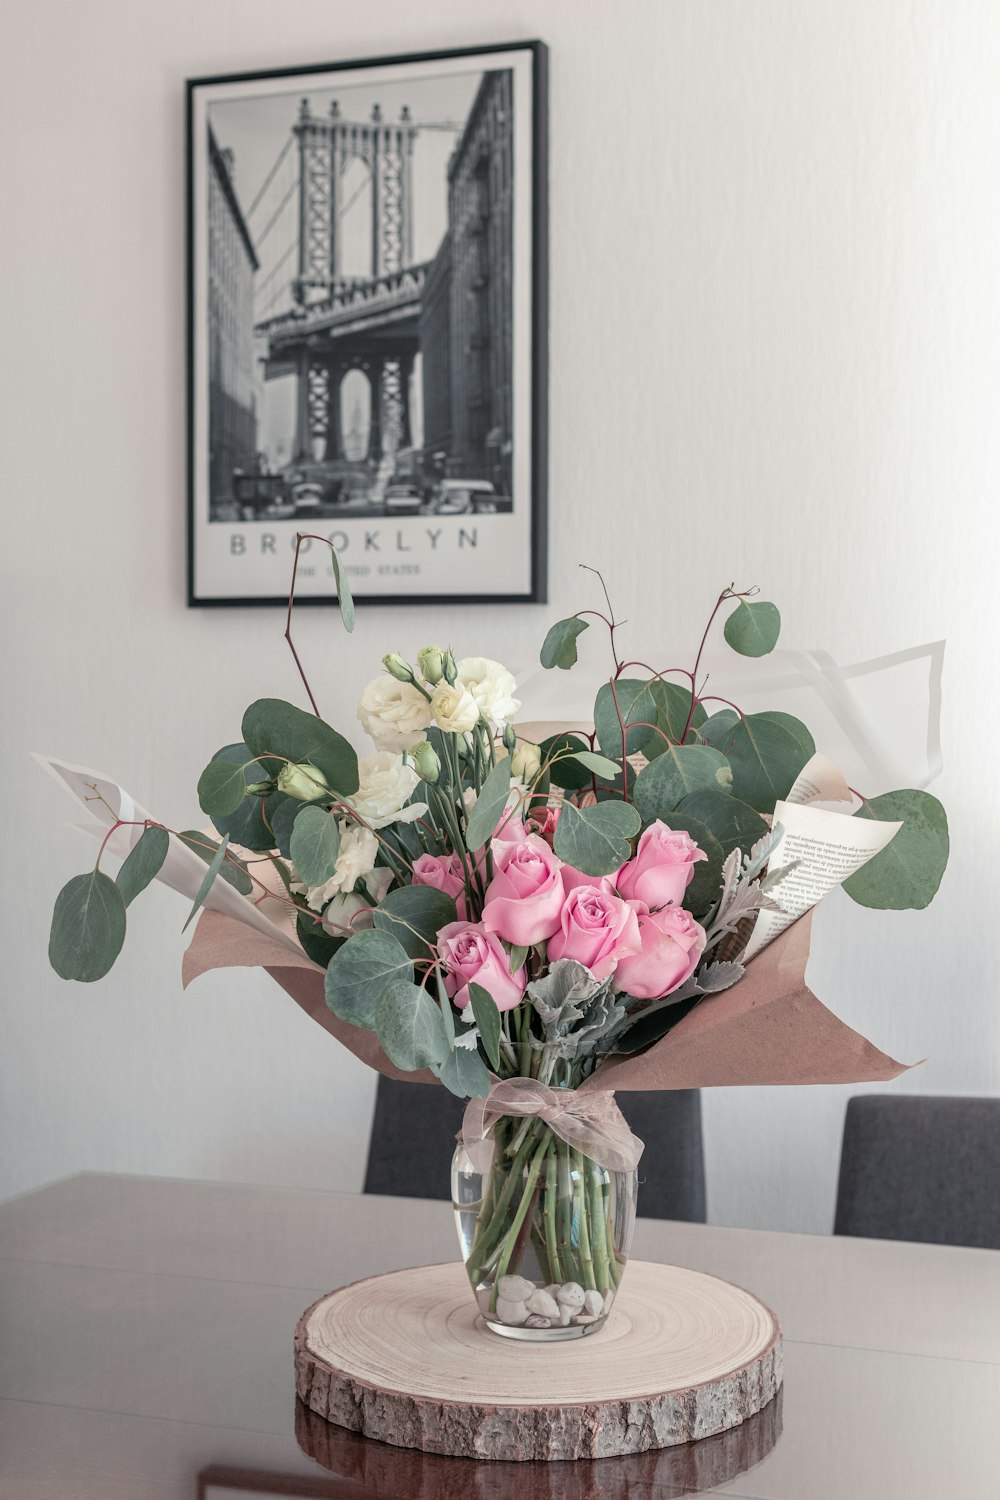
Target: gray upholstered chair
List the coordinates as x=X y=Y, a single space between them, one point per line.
x=415 y=1124
x=915 y=1167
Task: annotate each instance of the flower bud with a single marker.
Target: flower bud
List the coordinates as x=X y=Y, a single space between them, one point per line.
x=260 y=789
x=526 y=762
x=426 y=760
x=302 y=782
x=509 y=738
x=431 y=663
x=450 y=668
x=397 y=667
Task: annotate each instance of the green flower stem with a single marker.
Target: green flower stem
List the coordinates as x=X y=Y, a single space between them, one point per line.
x=614 y=1271
x=513 y=1235
x=550 y=1212
x=582 y=1221
x=494 y=1230
x=564 y=1209
x=598 y=1226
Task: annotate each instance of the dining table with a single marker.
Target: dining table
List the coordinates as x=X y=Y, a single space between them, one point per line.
x=146 y=1329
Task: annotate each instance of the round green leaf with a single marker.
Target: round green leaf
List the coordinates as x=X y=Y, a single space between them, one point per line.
x=143 y=864
x=753 y=629
x=410 y=1027
x=315 y=844
x=317 y=944
x=246 y=826
x=674 y=775
x=732 y=822
x=415 y=914
x=559 y=646
x=636 y=703
x=360 y=971
x=908 y=871
x=276 y=732
x=766 y=758
x=464 y=1073
x=88 y=927
x=566 y=773
x=716 y=730
x=596 y=839
x=673 y=706
x=793 y=726
x=221 y=788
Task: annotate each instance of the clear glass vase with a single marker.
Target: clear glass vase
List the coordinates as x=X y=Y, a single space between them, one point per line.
x=545 y=1233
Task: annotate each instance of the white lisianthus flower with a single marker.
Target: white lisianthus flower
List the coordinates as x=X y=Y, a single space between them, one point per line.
x=395 y=714
x=469 y=799
x=378 y=883
x=454 y=709
x=356 y=860
x=346 y=915
x=386 y=783
x=526 y=762
x=491 y=685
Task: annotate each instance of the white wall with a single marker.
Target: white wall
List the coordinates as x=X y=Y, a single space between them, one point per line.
x=775 y=342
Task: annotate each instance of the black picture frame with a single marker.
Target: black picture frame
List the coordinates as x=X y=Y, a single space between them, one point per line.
x=319 y=489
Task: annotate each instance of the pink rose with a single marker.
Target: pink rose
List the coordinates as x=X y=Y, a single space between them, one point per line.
x=571 y=878
x=672 y=943
x=596 y=929
x=662 y=869
x=444 y=873
x=475 y=956
x=525 y=898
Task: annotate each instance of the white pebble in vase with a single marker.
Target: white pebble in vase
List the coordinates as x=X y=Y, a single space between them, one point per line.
x=545 y=1305
x=510 y=1312
x=515 y=1288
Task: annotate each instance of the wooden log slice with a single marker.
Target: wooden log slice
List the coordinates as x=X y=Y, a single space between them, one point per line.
x=406 y=1359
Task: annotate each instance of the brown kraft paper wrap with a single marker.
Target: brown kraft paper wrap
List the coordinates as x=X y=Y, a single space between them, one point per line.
x=767 y=1029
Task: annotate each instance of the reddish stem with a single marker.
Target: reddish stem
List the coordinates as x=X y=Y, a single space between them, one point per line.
x=299 y=539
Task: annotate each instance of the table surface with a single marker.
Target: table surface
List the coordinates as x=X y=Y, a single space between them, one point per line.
x=146 y=1354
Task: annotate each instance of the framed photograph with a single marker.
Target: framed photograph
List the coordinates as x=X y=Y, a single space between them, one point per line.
x=367 y=316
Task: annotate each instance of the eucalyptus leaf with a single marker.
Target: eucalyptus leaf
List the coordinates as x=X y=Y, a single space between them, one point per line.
x=596 y=839
x=752 y=629
x=484 y=1008
x=464 y=1073
x=906 y=874
x=673 y=707
x=88 y=927
x=559 y=646
x=410 y=1027
x=490 y=805
x=636 y=703
x=281 y=814
x=733 y=823
x=232 y=870
x=317 y=943
x=518 y=957
x=717 y=729
x=414 y=915
x=766 y=758
x=674 y=775
x=247 y=825
x=221 y=788
x=360 y=971
x=276 y=732
x=344 y=596
x=793 y=726
x=566 y=773
x=598 y=765
x=143 y=863
x=314 y=845
x=208 y=881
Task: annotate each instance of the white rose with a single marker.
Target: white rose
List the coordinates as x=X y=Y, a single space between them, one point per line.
x=454 y=709
x=395 y=714
x=358 y=849
x=386 y=783
x=491 y=685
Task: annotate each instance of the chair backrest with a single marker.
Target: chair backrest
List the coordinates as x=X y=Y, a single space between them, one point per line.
x=415 y=1125
x=922 y=1168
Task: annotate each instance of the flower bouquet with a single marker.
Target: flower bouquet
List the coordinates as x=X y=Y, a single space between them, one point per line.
x=534 y=925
